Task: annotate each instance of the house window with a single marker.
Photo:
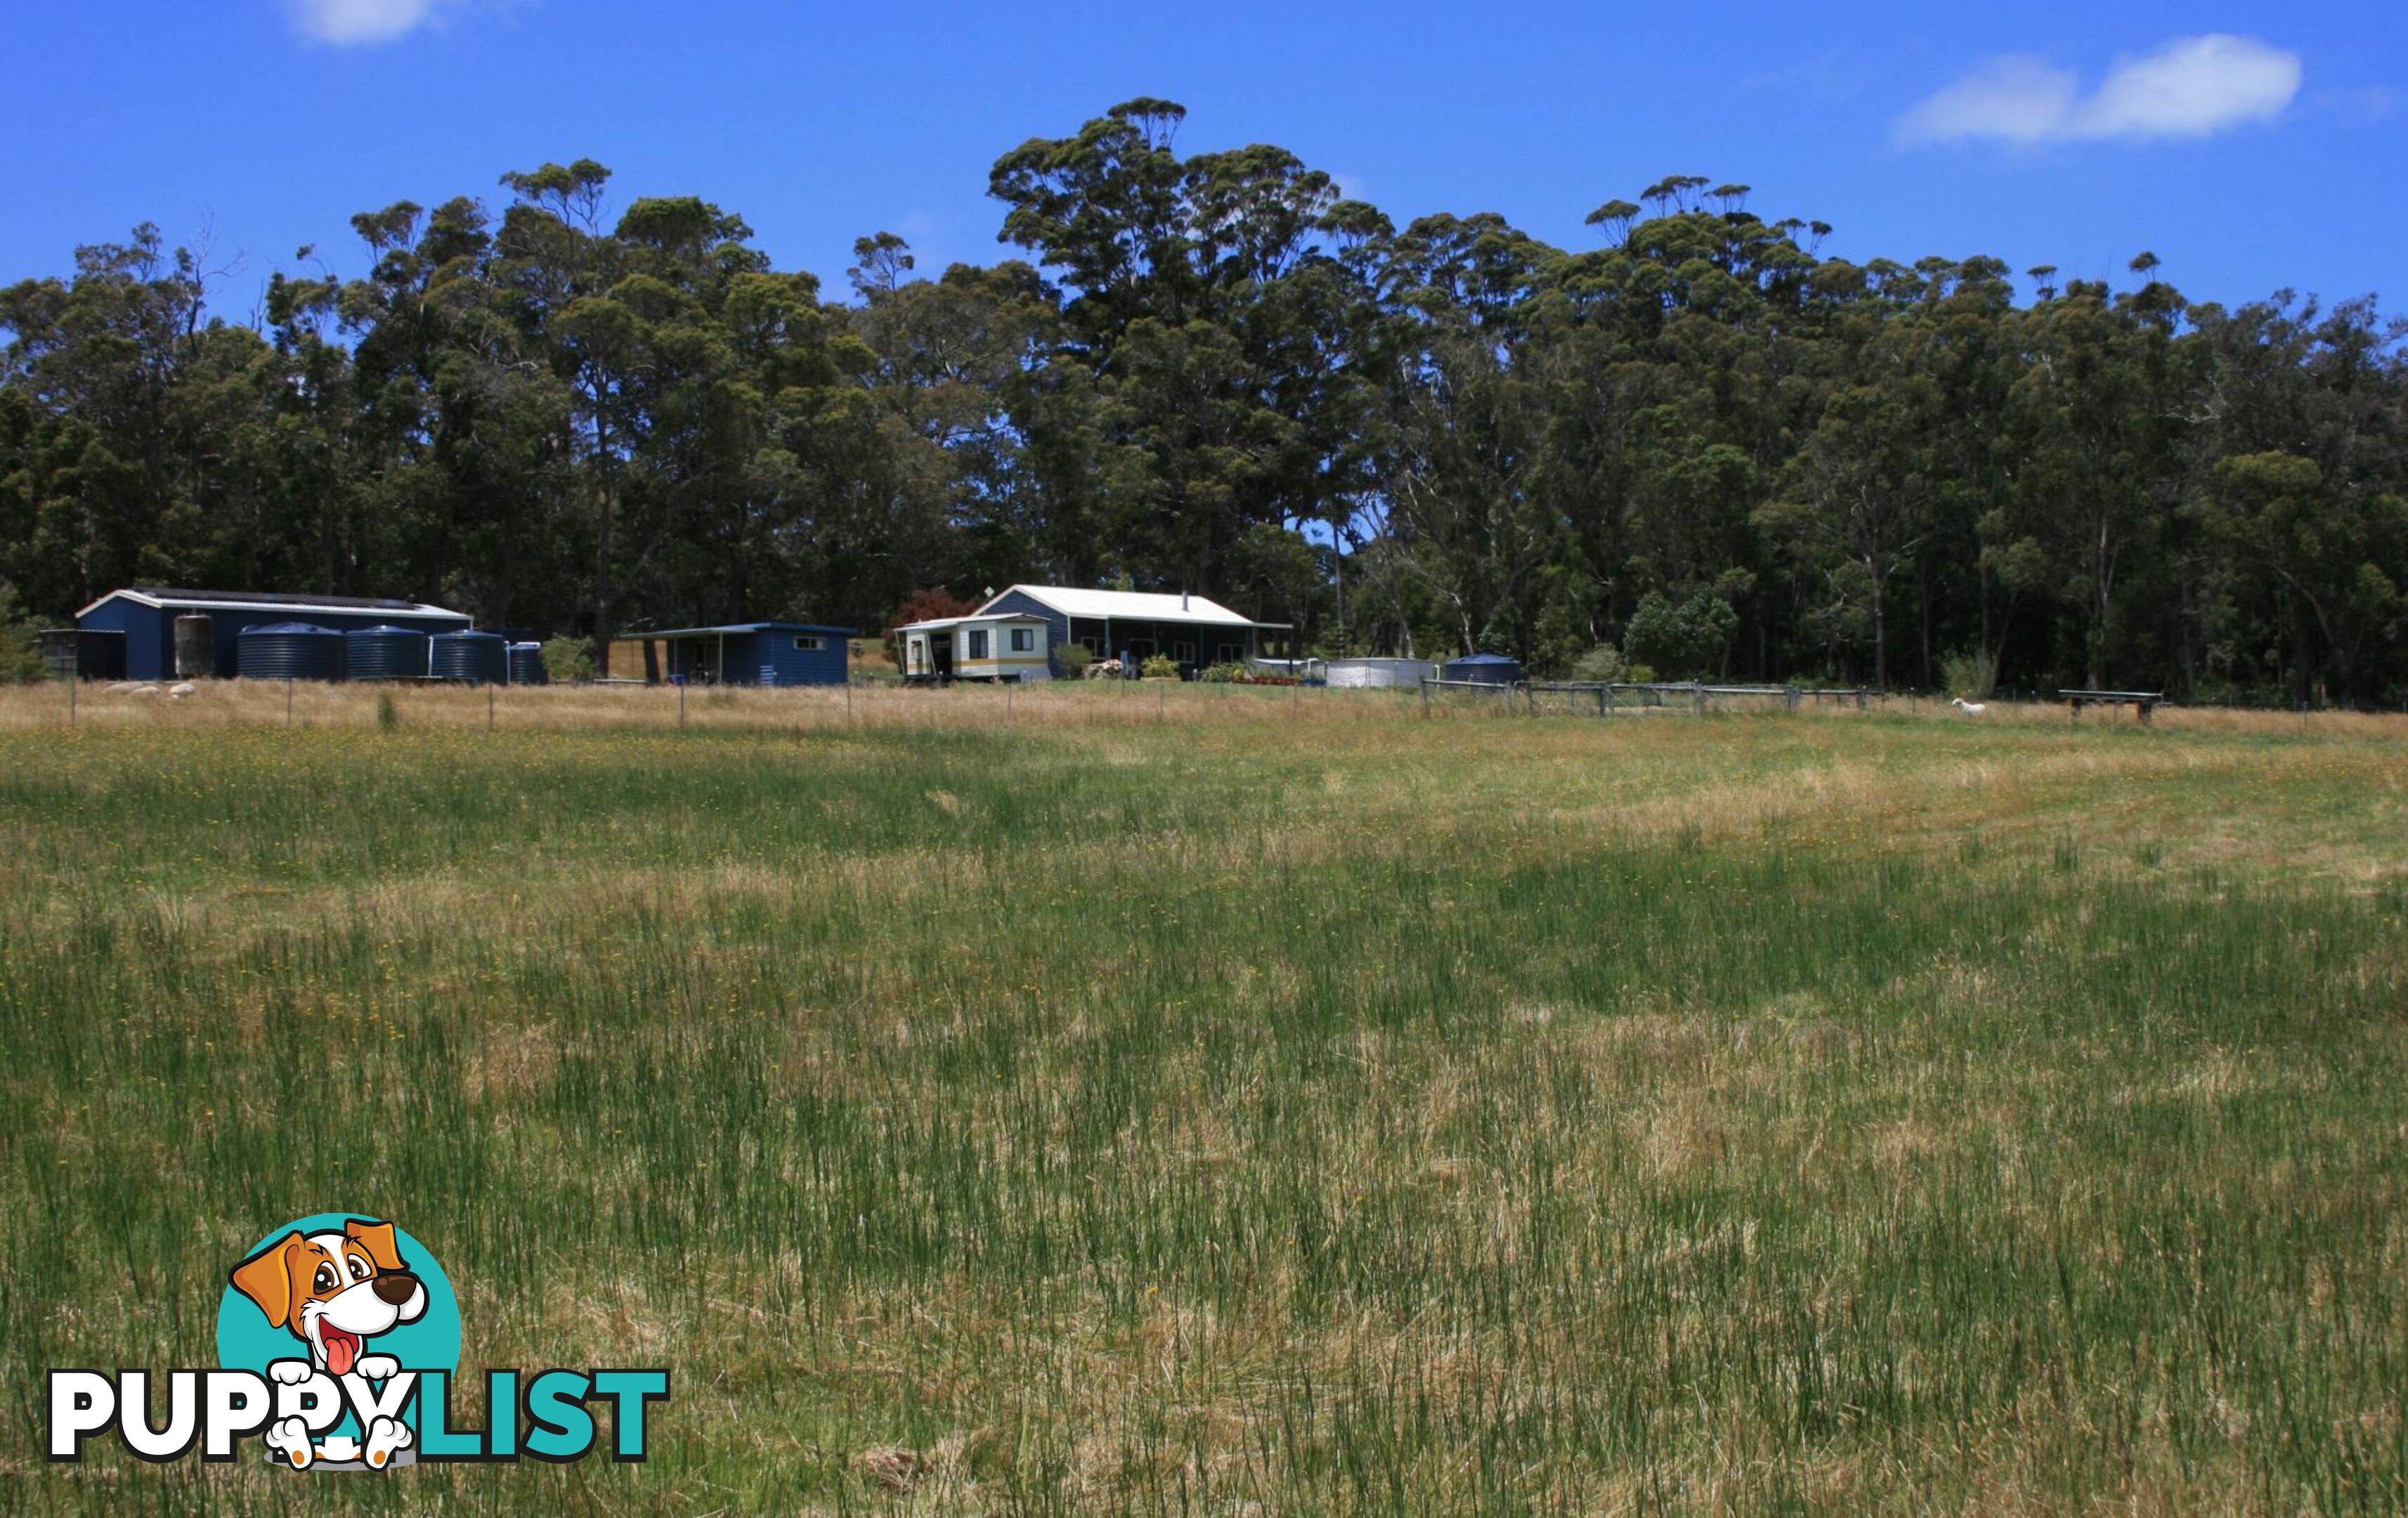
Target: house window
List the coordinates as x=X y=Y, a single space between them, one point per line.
x=809 y=644
x=1230 y=652
x=1024 y=640
x=978 y=644
x=1183 y=653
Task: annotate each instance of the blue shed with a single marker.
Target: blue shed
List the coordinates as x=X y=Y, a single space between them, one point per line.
x=753 y=654
x=146 y=617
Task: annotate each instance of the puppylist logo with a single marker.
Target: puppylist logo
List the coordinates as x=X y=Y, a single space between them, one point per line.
x=338 y=1343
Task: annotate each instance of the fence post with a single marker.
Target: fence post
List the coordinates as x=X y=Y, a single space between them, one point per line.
x=489 y=707
x=1424 y=683
x=288 y=701
x=1789 y=698
x=681 y=705
x=1698 y=694
x=74 y=678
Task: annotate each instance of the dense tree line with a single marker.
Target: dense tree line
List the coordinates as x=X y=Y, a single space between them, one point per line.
x=1700 y=440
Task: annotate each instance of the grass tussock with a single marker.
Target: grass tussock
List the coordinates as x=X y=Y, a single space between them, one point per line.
x=1128 y=1101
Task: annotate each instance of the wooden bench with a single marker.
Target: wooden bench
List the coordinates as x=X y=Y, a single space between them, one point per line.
x=2142 y=702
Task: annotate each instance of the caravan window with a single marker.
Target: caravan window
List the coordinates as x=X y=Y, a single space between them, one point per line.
x=809 y=644
x=978 y=644
x=1024 y=640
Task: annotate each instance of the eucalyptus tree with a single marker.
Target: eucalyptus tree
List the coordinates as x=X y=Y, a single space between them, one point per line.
x=2094 y=423
x=553 y=266
x=1466 y=421
x=1205 y=316
x=1703 y=437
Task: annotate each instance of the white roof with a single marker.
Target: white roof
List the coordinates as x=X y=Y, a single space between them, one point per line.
x=1137 y=605
x=936 y=623
x=202 y=601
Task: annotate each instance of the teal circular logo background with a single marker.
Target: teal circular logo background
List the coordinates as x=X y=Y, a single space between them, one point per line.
x=246 y=1343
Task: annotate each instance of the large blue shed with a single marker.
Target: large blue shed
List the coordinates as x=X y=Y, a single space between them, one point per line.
x=753 y=654
x=145 y=617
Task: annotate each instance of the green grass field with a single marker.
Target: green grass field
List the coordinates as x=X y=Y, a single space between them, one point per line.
x=1226 y=1103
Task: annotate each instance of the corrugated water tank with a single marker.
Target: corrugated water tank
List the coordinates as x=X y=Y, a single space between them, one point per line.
x=197 y=647
x=385 y=654
x=1485 y=669
x=474 y=658
x=289 y=650
x=1380 y=673
x=527 y=665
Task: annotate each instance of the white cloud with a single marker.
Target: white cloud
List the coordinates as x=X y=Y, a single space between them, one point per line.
x=2190 y=87
x=2018 y=99
x=356 y=22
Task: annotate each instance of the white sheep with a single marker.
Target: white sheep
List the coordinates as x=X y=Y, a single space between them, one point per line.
x=1971 y=709
x=181 y=690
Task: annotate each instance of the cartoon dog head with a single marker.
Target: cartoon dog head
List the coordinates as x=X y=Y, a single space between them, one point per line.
x=334 y=1290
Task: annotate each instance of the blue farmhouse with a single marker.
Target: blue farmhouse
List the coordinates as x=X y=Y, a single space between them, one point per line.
x=131 y=634
x=1136 y=625
x=753 y=653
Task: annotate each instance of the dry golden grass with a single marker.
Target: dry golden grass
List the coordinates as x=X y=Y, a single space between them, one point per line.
x=1061 y=703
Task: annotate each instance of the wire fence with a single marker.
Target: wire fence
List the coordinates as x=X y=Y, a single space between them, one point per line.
x=1607 y=698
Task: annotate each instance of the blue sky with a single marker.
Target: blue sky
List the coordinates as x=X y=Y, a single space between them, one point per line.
x=2250 y=146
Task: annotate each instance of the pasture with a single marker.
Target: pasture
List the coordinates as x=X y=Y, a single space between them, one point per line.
x=1234 y=1101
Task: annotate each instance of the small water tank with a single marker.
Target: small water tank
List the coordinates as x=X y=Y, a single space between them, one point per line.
x=474 y=658
x=197 y=647
x=289 y=650
x=527 y=665
x=385 y=654
x=1380 y=673
x=1484 y=669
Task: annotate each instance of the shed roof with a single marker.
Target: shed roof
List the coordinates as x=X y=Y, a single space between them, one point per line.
x=162 y=598
x=1135 y=606
x=739 y=627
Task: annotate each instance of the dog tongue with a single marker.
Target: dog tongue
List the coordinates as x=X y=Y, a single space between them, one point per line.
x=341 y=1350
